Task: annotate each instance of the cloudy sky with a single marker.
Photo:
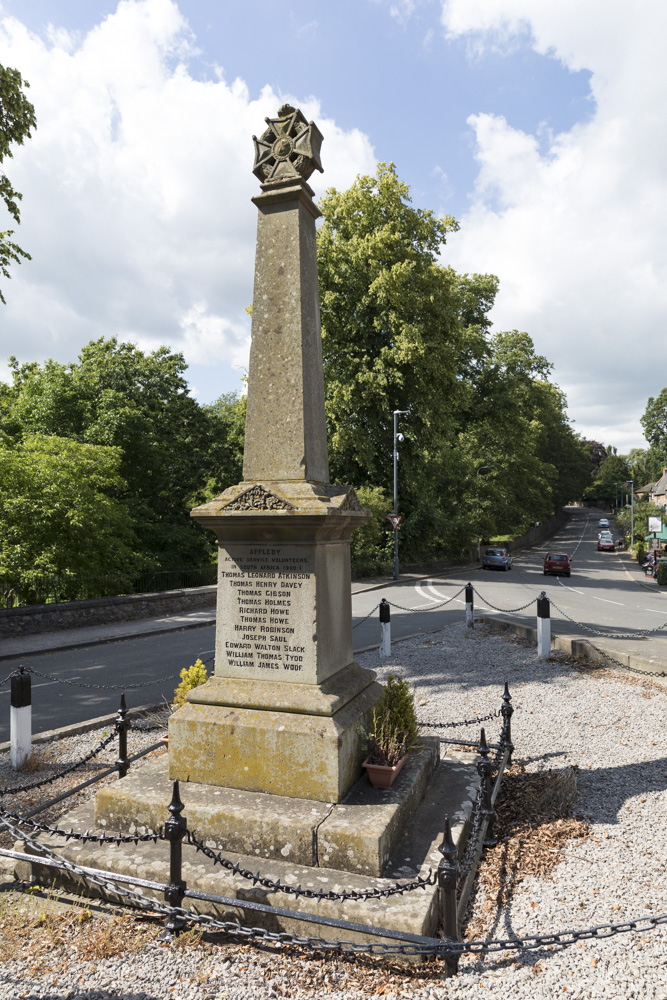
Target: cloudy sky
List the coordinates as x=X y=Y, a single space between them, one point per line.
x=539 y=125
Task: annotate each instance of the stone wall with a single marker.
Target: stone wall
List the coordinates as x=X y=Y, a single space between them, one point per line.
x=102 y=611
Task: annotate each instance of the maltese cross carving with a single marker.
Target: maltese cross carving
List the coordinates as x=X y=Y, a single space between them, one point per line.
x=290 y=147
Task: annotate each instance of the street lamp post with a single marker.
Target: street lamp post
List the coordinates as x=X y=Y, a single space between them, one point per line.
x=479 y=540
x=631 y=484
x=397 y=437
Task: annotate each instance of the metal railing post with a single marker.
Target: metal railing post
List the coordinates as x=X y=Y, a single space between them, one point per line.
x=470 y=611
x=448 y=870
x=507 y=711
x=174 y=830
x=543 y=627
x=20 y=719
x=484 y=769
x=385 y=628
x=122 y=726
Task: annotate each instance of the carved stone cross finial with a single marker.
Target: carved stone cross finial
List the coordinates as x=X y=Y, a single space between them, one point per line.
x=290 y=147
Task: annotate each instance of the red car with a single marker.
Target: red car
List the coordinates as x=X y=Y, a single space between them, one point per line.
x=606 y=543
x=557 y=562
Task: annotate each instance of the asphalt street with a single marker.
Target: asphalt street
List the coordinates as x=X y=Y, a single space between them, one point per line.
x=605 y=593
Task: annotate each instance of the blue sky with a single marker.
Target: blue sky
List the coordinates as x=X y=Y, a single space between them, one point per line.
x=538 y=126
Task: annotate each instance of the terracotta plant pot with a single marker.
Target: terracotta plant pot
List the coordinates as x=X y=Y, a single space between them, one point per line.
x=164 y=740
x=381 y=775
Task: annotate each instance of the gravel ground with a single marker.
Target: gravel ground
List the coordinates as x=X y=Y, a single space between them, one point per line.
x=607 y=725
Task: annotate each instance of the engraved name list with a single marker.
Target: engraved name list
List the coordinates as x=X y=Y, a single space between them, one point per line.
x=267 y=610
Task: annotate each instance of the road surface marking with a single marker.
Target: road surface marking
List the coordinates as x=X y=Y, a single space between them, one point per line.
x=434 y=600
x=606 y=601
x=570 y=588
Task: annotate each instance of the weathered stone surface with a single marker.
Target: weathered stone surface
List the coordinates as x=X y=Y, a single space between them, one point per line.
x=450 y=792
x=285 y=421
x=357 y=835
x=285 y=753
x=361 y=833
x=266 y=826
x=309 y=699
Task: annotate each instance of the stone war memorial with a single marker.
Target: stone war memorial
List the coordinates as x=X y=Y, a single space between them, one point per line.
x=282 y=711
x=268 y=751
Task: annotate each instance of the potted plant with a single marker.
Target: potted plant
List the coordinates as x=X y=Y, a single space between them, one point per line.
x=392 y=733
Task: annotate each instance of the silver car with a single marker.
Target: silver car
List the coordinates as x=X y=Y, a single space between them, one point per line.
x=497 y=558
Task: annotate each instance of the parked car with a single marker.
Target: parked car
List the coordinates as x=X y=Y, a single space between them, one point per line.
x=603 y=523
x=499 y=558
x=557 y=562
x=606 y=542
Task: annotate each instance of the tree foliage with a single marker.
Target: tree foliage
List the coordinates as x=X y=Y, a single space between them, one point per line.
x=62 y=511
x=17 y=118
x=117 y=396
x=403 y=331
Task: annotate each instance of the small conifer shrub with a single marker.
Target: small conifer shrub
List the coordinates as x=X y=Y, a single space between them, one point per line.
x=191 y=677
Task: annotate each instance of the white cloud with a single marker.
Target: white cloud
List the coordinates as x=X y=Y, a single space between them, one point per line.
x=137 y=186
x=574 y=223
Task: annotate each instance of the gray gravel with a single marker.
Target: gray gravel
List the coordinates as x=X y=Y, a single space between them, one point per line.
x=608 y=724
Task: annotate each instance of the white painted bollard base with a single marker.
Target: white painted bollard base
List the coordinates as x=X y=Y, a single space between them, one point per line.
x=543 y=638
x=385 y=639
x=20 y=735
x=469 y=616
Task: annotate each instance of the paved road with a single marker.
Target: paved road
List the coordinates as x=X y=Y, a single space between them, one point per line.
x=605 y=592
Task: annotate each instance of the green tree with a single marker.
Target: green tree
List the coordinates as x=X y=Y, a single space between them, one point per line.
x=61 y=511
x=226 y=418
x=17 y=118
x=399 y=331
x=115 y=395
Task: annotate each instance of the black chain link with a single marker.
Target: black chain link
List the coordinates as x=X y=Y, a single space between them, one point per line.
x=437 y=948
x=462 y=722
x=87 y=837
x=430 y=607
x=638 y=633
x=361 y=622
x=99 y=687
x=59 y=774
x=267 y=883
x=507 y=611
x=476 y=818
x=623 y=666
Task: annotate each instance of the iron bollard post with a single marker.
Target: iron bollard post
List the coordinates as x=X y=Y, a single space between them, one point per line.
x=448 y=871
x=470 y=611
x=507 y=711
x=20 y=718
x=174 y=830
x=543 y=627
x=484 y=769
x=385 y=628
x=122 y=726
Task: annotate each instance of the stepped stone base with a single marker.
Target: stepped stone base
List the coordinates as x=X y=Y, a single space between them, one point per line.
x=451 y=791
x=358 y=835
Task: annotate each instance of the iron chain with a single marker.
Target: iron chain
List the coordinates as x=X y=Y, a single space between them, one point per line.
x=431 y=607
x=442 y=948
x=100 y=687
x=59 y=774
x=267 y=883
x=610 y=635
x=463 y=722
x=507 y=611
x=361 y=622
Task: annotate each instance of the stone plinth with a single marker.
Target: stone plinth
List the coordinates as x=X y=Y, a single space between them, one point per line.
x=284 y=707
x=358 y=835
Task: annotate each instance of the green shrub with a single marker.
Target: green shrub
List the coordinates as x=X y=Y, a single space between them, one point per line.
x=662 y=573
x=393 y=730
x=191 y=677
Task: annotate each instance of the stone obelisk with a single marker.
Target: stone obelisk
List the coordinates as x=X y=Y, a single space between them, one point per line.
x=282 y=711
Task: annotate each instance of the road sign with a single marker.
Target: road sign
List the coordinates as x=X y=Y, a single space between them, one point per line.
x=395 y=520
